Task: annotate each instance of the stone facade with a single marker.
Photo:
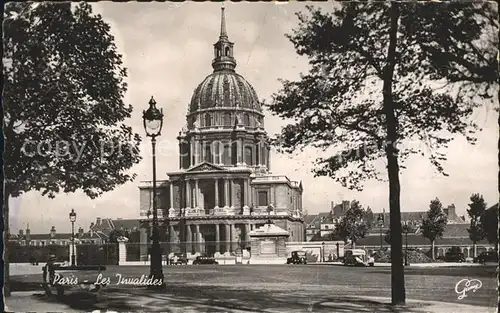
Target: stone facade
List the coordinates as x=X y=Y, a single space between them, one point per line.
x=223 y=188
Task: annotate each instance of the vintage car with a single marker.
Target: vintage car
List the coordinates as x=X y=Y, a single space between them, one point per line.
x=178 y=259
x=355 y=257
x=454 y=255
x=297 y=257
x=486 y=256
x=203 y=259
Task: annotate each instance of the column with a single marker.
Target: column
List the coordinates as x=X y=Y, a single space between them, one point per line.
x=226 y=192
x=191 y=152
x=230 y=192
x=189 y=239
x=196 y=197
x=216 y=192
x=232 y=236
x=247 y=236
x=171 y=232
x=241 y=151
x=171 y=196
x=217 y=238
x=198 y=153
x=227 y=238
x=197 y=237
x=245 y=193
x=188 y=194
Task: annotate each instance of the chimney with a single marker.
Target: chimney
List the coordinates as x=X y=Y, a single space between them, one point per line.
x=52 y=231
x=98 y=221
x=332 y=205
x=21 y=233
x=28 y=232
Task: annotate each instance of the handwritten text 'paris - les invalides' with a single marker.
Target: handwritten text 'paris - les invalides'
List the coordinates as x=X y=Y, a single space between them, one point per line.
x=101 y=280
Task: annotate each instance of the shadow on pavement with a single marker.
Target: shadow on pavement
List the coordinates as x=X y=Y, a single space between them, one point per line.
x=216 y=299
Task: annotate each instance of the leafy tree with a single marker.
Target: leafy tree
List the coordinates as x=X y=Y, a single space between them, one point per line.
x=387 y=237
x=407 y=228
x=64 y=113
x=489 y=222
x=434 y=223
x=353 y=225
x=369 y=218
x=115 y=234
x=476 y=210
x=373 y=85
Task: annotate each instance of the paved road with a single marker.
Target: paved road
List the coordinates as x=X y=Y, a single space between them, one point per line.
x=294 y=288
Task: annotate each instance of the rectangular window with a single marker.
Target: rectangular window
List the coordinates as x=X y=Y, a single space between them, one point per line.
x=263 y=198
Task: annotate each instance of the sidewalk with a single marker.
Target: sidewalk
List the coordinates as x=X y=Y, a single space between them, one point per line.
x=141 y=300
x=437 y=264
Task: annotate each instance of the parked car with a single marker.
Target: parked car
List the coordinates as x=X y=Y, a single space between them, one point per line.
x=178 y=259
x=297 y=257
x=356 y=257
x=454 y=255
x=487 y=256
x=203 y=259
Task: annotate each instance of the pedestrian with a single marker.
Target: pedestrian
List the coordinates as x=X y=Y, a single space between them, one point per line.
x=371 y=260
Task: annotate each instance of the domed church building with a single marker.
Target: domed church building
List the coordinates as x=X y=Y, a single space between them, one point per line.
x=224 y=188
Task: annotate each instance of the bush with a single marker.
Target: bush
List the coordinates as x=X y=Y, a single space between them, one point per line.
x=414 y=256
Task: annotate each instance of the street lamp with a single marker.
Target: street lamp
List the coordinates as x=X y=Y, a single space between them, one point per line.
x=380 y=221
x=153 y=122
x=406 y=229
x=72 y=219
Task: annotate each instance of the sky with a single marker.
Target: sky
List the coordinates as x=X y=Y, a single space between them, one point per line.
x=168 y=49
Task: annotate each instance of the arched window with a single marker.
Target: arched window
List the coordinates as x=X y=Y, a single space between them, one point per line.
x=208 y=120
x=227 y=119
x=218 y=52
x=227 y=51
x=246 y=119
x=208 y=153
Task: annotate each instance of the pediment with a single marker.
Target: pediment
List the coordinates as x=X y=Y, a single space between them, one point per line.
x=206 y=167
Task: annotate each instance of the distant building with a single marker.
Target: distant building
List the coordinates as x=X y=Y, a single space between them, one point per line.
x=53 y=238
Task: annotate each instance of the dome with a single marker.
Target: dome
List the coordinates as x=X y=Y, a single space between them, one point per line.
x=224 y=89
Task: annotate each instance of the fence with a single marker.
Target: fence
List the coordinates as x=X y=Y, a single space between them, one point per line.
x=92 y=254
x=34 y=254
x=136 y=252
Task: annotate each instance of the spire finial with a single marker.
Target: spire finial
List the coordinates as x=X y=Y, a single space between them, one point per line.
x=223 y=33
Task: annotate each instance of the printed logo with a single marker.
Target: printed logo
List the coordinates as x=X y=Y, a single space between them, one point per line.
x=466 y=285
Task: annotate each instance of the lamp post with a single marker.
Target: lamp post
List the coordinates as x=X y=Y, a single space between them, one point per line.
x=72 y=219
x=380 y=221
x=406 y=230
x=153 y=122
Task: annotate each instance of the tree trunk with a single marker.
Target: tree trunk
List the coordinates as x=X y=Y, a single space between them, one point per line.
x=433 y=250
x=398 y=294
x=6 y=272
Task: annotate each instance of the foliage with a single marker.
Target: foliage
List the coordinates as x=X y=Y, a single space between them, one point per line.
x=337 y=106
x=409 y=228
x=63 y=95
x=489 y=222
x=434 y=223
x=384 y=74
x=353 y=225
x=476 y=210
x=64 y=113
